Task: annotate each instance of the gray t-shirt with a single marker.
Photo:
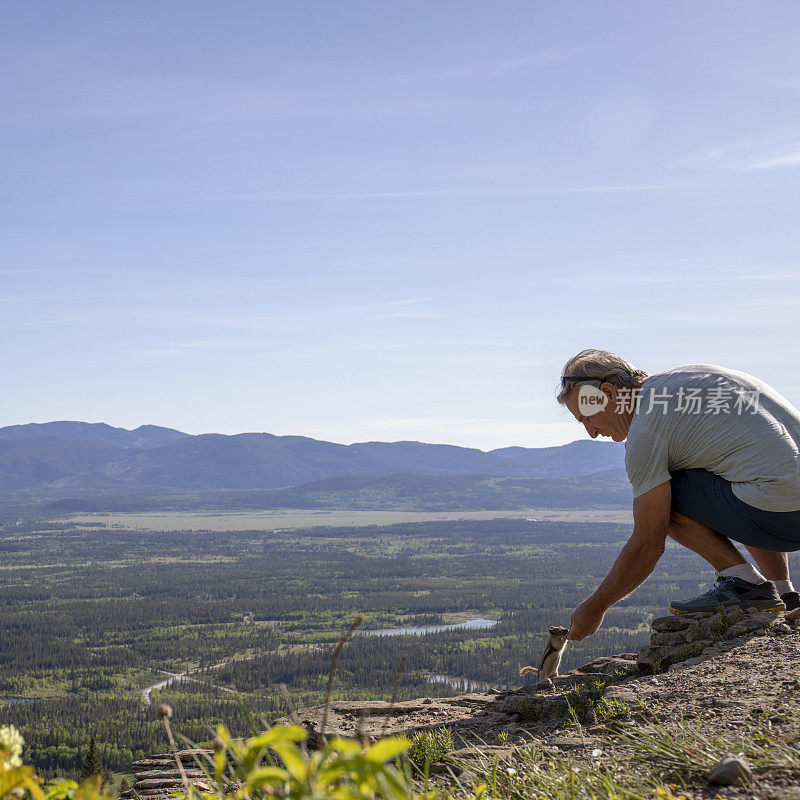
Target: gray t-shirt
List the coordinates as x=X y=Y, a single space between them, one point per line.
x=701 y=416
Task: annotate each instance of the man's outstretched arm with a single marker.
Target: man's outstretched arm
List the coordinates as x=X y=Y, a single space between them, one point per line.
x=634 y=563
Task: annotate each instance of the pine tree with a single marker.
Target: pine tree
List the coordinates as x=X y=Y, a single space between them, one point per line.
x=91 y=762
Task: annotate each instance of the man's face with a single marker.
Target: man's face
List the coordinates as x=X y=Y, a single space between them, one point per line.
x=603 y=422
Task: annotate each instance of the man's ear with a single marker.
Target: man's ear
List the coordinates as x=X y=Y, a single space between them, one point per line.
x=609 y=390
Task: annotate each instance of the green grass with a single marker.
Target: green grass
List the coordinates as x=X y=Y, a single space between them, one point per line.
x=586 y=704
x=633 y=763
x=429 y=746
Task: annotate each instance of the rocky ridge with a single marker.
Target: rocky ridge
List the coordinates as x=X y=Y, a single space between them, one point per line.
x=722 y=670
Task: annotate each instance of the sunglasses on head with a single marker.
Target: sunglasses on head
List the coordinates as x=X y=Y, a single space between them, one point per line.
x=565 y=378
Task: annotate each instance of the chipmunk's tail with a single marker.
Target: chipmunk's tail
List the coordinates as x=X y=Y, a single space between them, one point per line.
x=527 y=670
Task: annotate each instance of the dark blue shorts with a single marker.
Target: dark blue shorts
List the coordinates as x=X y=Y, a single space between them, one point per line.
x=707 y=498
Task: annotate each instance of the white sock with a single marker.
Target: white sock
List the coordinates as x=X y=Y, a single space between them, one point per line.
x=747 y=572
x=783 y=586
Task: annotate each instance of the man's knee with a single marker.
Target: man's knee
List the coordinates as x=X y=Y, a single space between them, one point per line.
x=682 y=528
x=678 y=522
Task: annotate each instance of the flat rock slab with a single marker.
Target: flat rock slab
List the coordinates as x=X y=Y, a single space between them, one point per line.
x=168 y=773
x=569 y=742
x=465 y=715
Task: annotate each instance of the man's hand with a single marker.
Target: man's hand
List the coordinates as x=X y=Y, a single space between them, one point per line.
x=585 y=620
x=651 y=516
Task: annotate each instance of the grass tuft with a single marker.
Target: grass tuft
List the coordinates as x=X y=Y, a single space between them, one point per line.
x=428 y=747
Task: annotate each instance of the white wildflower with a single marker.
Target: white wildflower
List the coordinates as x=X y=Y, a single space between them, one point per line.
x=11 y=742
x=511 y=771
x=597 y=752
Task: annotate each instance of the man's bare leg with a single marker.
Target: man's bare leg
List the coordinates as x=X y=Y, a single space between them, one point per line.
x=720 y=552
x=715 y=548
x=773 y=566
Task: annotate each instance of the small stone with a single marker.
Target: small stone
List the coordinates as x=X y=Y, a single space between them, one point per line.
x=751 y=623
x=667 y=638
x=731 y=770
x=566 y=742
x=783 y=628
x=791 y=616
x=786 y=793
x=623 y=694
x=766 y=617
x=735 y=613
x=669 y=624
x=427 y=700
x=693 y=634
x=712 y=626
x=649 y=655
x=608 y=665
x=722 y=703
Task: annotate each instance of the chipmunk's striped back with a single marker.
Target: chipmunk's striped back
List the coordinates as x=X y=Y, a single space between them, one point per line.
x=551 y=658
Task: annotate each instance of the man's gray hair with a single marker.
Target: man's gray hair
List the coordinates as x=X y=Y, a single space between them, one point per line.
x=597 y=367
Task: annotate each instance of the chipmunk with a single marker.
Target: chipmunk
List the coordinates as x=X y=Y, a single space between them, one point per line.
x=548 y=666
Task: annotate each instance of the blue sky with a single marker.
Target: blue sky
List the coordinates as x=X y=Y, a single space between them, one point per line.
x=389 y=220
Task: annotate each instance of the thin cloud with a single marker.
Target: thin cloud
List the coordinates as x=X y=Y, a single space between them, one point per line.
x=602 y=325
x=701 y=274
x=753 y=275
x=307 y=90
x=310 y=92
x=409 y=315
x=759 y=156
x=220 y=344
x=783 y=161
x=32 y=270
x=412 y=194
x=374 y=308
x=501 y=66
x=174 y=348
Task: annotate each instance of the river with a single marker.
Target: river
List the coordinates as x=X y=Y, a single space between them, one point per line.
x=462 y=684
x=477 y=623
x=177 y=676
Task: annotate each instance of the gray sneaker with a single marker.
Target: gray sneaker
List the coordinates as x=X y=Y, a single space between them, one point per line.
x=732 y=592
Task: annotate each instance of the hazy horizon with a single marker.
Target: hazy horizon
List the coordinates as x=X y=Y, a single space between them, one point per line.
x=273 y=433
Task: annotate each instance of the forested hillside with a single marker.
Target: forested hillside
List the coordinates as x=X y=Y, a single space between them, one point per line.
x=607 y=489
x=60 y=459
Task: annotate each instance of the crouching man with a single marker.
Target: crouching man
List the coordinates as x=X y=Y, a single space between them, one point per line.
x=713 y=457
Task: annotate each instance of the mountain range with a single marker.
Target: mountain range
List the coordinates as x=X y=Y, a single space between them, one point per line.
x=56 y=459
